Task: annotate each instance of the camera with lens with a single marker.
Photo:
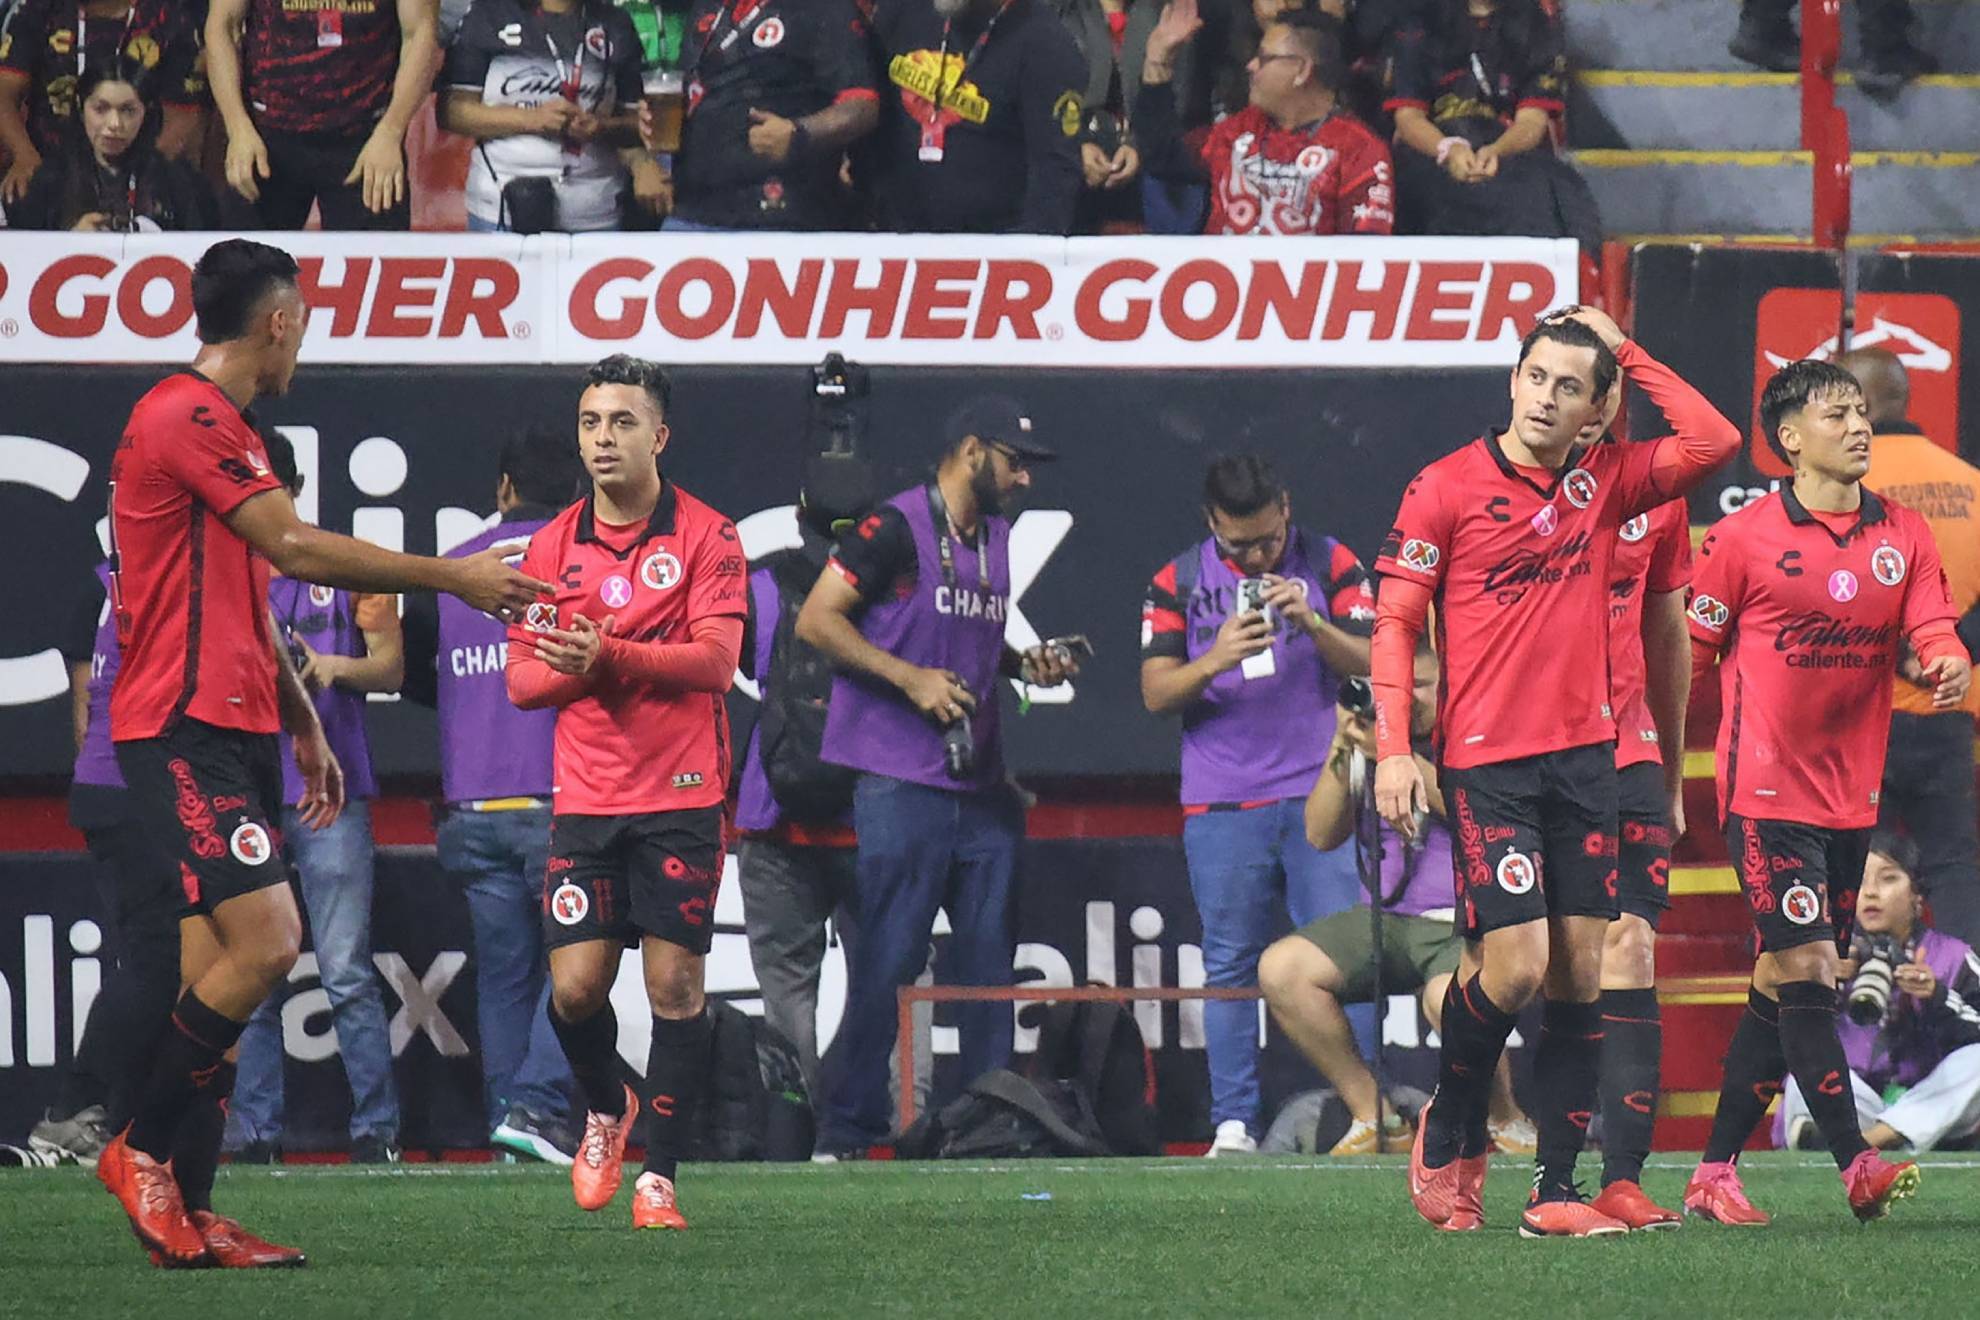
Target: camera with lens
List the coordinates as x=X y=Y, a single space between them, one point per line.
x=1357 y=697
x=1869 y=996
x=959 y=749
x=837 y=387
x=298 y=654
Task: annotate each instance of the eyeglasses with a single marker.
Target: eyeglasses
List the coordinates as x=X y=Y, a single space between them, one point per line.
x=1256 y=545
x=1016 y=461
x=1262 y=58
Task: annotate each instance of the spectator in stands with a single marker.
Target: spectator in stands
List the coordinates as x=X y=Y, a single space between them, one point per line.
x=1294 y=161
x=985 y=135
x=1928 y=775
x=1112 y=36
x=1246 y=636
x=550 y=91
x=778 y=91
x=344 y=645
x=1915 y=1066
x=109 y=176
x=1308 y=975
x=48 y=46
x=1475 y=86
x=316 y=100
x=494 y=840
x=1767 y=38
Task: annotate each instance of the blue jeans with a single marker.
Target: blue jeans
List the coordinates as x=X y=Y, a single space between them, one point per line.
x=1245 y=868
x=334 y=870
x=498 y=858
x=921 y=849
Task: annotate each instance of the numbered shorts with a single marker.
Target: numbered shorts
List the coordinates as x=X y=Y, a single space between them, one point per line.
x=1643 y=842
x=206 y=799
x=624 y=877
x=1536 y=838
x=1800 y=881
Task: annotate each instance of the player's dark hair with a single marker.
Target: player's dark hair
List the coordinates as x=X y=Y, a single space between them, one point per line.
x=1901 y=849
x=281 y=457
x=1793 y=388
x=1574 y=334
x=542 y=463
x=1319 y=36
x=228 y=284
x=625 y=369
x=1239 y=485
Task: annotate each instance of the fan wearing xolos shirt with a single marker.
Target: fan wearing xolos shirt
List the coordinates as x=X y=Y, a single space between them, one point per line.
x=634 y=647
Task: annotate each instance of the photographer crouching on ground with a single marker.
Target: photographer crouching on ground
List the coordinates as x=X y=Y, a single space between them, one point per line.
x=1911 y=1026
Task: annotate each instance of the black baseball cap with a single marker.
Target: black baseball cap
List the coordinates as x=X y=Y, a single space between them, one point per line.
x=998 y=419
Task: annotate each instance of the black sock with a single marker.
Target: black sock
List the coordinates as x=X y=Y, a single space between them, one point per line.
x=1567 y=1065
x=1753 y=1069
x=1814 y=1055
x=196 y=1153
x=592 y=1048
x=1474 y=1035
x=1632 y=1049
x=676 y=1069
x=186 y=1062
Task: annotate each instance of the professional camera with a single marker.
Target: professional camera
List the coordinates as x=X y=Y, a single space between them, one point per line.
x=959 y=749
x=1357 y=697
x=1870 y=991
x=837 y=386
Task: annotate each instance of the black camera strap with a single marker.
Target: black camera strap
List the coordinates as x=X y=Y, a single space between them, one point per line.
x=945 y=535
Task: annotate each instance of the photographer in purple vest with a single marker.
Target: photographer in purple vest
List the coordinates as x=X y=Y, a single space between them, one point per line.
x=912 y=608
x=139 y=901
x=494 y=840
x=1911 y=1024
x=344 y=645
x=1246 y=635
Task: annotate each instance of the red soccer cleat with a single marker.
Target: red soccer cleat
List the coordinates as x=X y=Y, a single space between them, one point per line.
x=1468 y=1206
x=1715 y=1193
x=1624 y=1200
x=653 y=1203
x=1432 y=1191
x=234 y=1248
x=150 y=1197
x=1873 y=1183
x=1572 y=1219
x=601 y=1156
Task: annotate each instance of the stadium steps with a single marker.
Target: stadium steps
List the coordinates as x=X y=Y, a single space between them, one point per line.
x=1685 y=34
x=1718 y=111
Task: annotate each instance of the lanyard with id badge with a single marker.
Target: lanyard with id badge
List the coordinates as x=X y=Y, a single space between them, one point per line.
x=934 y=132
x=82 y=35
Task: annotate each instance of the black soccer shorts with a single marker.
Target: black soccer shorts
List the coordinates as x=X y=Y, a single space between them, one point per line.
x=208 y=798
x=1800 y=881
x=1536 y=838
x=1643 y=843
x=623 y=877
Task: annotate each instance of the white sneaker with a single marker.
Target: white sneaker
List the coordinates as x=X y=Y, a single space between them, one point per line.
x=1232 y=1139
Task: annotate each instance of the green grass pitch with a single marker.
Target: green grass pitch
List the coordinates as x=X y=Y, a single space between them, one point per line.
x=1240 y=1238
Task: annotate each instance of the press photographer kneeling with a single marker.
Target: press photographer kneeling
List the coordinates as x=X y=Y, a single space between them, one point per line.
x=1912 y=1016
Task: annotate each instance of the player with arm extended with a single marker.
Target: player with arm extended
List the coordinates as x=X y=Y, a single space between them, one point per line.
x=1802 y=600
x=1513 y=536
x=634 y=647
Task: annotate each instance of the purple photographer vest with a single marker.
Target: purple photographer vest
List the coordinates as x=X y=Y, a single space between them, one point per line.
x=96 y=763
x=945 y=620
x=1235 y=746
x=1909 y=1048
x=1427 y=878
x=488 y=748
x=323 y=617
x=756 y=808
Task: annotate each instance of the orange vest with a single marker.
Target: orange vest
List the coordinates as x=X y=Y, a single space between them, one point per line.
x=1945 y=490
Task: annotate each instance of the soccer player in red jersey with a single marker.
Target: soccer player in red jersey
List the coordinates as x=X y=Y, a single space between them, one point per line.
x=196 y=518
x=634 y=647
x=1804 y=599
x=1513 y=537
x=1650 y=685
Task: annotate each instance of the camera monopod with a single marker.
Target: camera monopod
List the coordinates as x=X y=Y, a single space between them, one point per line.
x=1368 y=863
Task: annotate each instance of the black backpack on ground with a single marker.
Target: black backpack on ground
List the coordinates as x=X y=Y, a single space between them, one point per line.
x=790 y=723
x=1089 y=1090
x=755 y=1107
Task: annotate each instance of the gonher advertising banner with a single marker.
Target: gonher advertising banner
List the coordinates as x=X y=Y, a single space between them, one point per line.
x=927 y=300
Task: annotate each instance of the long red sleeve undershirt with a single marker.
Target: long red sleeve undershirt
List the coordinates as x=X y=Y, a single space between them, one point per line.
x=1701 y=438
x=1401 y=609
x=706 y=662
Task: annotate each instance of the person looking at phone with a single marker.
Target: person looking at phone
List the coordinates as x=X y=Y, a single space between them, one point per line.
x=911 y=608
x=1246 y=635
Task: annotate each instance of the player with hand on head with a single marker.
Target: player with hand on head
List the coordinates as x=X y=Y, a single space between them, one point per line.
x=1803 y=600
